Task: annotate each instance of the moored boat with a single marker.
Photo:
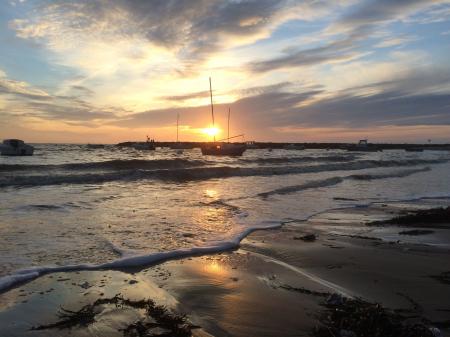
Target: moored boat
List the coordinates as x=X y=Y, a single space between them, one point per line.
x=16 y=147
x=222 y=148
x=363 y=146
x=149 y=145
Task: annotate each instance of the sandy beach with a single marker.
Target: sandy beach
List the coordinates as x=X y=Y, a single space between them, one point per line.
x=271 y=286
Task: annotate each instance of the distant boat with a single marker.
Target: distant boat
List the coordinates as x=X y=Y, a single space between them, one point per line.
x=221 y=148
x=363 y=146
x=149 y=145
x=294 y=147
x=16 y=147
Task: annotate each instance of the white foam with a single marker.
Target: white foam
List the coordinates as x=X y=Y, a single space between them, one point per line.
x=24 y=275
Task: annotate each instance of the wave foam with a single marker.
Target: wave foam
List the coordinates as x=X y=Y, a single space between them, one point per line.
x=203 y=173
x=135 y=261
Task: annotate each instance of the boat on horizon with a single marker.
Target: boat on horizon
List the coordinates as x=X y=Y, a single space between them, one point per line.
x=363 y=146
x=149 y=145
x=222 y=147
x=15 y=147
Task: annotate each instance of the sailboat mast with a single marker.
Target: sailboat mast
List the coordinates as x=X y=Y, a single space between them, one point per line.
x=212 y=106
x=229 y=111
x=178 y=119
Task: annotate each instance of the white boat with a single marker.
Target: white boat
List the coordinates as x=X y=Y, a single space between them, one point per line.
x=16 y=147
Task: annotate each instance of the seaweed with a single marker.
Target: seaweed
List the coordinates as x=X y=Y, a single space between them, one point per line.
x=304 y=290
x=416 y=232
x=421 y=217
x=443 y=277
x=158 y=320
x=355 y=317
x=306 y=238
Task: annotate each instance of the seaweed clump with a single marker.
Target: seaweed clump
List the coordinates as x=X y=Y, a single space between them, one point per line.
x=422 y=217
x=157 y=321
x=346 y=317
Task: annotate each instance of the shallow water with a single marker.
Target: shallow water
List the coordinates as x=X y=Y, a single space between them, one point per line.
x=72 y=205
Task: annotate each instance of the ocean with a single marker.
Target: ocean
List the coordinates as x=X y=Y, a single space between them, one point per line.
x=70 y=207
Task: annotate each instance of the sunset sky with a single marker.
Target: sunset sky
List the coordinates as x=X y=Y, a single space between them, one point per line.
x=104 y=71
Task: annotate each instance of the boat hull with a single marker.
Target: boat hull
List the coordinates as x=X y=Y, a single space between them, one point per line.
x=15 y=147
x=223 y=150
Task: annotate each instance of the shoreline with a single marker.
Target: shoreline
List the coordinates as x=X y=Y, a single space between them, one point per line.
x=139 y=262
x=254 y=290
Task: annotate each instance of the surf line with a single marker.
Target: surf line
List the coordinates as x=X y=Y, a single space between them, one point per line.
x=130 y=262
x=327 y=284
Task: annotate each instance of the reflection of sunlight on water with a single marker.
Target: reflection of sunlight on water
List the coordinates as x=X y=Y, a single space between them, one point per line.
x=210 y=193
x=215 y=268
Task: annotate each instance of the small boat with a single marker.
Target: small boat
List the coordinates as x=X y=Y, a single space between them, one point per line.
x=363 y=146
x=294 y=147
x=222 y=147
x=149 y=145
x=16 y=147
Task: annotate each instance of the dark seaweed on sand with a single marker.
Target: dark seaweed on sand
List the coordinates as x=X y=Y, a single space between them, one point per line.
x=344 y=317
x=159 y=321
x=443 y=277
x=429 y=216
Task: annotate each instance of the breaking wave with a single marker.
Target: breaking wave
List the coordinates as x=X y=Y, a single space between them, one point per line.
x=337 y=180
x=306 y=159
x=203 y=173
x=118 y=164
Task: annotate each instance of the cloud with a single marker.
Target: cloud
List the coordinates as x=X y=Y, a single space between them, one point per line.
x=395 y=41
x=406 y=101
x=20 y=99
x=18 y=88
x=336 y=51
x=191 y=30
x=198 y=94
x=371 y=12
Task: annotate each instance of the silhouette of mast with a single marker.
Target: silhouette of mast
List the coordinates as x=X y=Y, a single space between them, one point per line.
x=229 y=112
x=178 y=119
x=212 y=106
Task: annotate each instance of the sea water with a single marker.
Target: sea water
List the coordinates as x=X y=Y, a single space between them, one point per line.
x=70 y=207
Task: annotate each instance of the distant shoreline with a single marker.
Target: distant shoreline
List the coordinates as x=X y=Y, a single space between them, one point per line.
x=330 y=146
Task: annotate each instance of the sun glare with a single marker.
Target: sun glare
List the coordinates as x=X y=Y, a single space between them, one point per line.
x=211 y=131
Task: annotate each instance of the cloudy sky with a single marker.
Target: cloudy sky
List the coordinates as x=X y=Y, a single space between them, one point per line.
x=307 y=70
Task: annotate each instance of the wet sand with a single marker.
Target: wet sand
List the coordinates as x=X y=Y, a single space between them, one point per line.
x=265 y=288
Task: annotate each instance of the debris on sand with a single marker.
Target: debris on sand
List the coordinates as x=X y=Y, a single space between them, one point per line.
x=422 y=217
x=306 y=238
x=158 y=320
x=346 y=317
x=416 y=232
x=304 y=290
x=443 y=277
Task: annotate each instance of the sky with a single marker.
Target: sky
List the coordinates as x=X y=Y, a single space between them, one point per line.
x=105 y=71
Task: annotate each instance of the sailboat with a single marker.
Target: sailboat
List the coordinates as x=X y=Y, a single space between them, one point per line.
x=178 y=146
x=222 y=148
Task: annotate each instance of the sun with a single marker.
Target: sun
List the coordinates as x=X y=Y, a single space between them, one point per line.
x=211 y=131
